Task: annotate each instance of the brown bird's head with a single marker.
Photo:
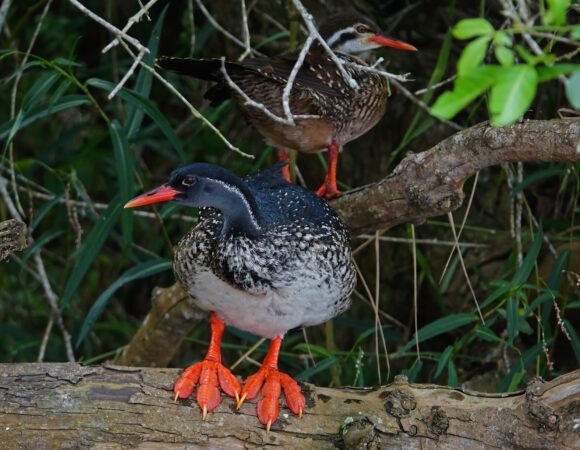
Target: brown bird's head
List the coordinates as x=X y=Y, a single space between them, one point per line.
x=351 y=34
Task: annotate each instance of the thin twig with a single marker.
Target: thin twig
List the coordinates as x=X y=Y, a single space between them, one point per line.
x=290 y=83
x=221 y=29
x=464 y=268
x=4 y=12
x=403 y=90
x=456 y=243
x=254 y=104
x=127 y=75
x=415 y=292
x=120 y=34
x=309 y=21
x=132 y=20
x=246 y=32
x=434 y=241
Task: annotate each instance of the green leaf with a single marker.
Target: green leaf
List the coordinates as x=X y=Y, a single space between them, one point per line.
x=412 y=372
x=573 y=90
x=28 y=118
x=38 y=90
x=535 y=177
x=514 y=376
x=473 y=55
x=451 y=374
x=575 y=33
x=488 y=335
x=312 y=348
x=470 y=28
x=575 y=341
x=512 y=319
x=440 y=326
x=443 y=359
x=547 y=73
x=556 y=14
x=501 y=38
x=527 y=266
x=148 y=107
x=144 y=80
x=319 y=367
x=90 y=249
x=142 y=270
x=504 y=55
x=124 y=166
x=512 y=94
x=466 y=89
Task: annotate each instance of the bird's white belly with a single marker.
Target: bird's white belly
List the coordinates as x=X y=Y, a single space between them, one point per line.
x=268 y=315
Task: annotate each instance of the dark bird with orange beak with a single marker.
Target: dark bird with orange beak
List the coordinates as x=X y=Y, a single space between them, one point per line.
x=266 y=256
x=339 y=112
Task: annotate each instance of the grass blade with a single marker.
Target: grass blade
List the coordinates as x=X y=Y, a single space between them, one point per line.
x=144 y=80
x=142 y=270
x=124 y=166
x=90 y=249
x=144 y=104
x=440 y=326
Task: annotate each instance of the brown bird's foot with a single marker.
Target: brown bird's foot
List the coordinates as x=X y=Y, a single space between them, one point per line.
x=284 y=155
x=328 y=190
x=271 y=382
x=209 y=374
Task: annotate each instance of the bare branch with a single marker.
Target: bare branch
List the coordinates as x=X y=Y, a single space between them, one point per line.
x=430 y=183
x=132 y=20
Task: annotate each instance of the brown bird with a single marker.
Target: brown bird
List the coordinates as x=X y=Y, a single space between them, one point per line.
x=338 y=112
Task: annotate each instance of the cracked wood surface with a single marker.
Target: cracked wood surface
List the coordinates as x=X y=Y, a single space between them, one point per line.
x=423 y=185
x=66 y=405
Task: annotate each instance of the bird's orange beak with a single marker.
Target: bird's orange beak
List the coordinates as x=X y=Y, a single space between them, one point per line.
x=161 y=194
x=388 y=42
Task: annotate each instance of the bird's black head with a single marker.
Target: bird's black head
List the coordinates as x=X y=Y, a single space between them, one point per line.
x=201 y=185
x=349 y=33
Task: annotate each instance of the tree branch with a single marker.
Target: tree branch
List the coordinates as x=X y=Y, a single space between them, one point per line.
x=430 y=183
x=69 y=405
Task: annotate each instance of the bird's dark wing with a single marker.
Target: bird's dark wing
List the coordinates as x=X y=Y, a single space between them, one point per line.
x=269 y=178
x=276 y=68
x=280 y=67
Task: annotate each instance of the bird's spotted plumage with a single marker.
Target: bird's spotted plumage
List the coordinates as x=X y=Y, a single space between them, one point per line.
x=297 y=272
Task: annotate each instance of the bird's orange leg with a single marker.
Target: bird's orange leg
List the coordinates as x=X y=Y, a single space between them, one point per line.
x=284 y=155
x=271 y=382
x=209 y=374
x=329 y=189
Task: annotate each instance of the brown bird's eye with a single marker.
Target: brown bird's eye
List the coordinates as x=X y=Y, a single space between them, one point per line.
x=188 y=180
x=361 y=29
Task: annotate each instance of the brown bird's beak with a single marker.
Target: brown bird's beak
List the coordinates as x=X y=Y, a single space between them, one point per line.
x=388 y=42
x=161 y=194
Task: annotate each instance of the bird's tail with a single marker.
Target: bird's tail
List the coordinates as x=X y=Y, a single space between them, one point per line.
x=204 y=69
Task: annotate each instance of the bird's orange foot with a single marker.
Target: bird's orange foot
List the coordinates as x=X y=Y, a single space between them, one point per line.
x=271 y=382
x=328 y=190
x=209 y=375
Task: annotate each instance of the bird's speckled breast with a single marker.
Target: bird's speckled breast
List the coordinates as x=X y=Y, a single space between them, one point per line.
x=288 y=278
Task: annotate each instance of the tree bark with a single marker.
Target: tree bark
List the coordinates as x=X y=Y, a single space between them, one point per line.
x=66 y=405
x=423 y=185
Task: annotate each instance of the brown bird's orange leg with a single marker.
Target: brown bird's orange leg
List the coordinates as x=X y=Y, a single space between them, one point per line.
x=284 y=155
x=270 y=381
x=329 y=189
x=209 y=374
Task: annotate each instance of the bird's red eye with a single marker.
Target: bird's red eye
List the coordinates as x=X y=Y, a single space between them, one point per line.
x=188 y=180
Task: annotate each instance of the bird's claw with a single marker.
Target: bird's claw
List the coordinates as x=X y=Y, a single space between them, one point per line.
x=271 y=383
x=210 y=375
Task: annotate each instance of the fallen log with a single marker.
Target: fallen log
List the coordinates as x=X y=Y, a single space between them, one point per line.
x=67 y=405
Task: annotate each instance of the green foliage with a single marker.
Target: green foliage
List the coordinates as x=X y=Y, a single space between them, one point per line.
x=512 y=85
